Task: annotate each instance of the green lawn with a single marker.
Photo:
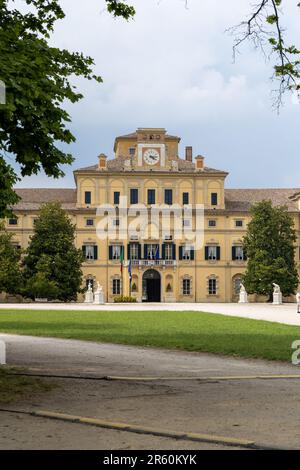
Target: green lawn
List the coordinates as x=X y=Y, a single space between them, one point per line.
x=188 y=331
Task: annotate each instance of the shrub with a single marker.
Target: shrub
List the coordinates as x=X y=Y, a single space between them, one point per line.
x=124 y=299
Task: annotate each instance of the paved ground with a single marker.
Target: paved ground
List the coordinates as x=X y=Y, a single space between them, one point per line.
x=286 y=313
x=267 y=411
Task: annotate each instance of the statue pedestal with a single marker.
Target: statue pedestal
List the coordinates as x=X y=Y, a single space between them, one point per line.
x=243 y=298
x=89 y=297
x=99 y=300
x=277 y=298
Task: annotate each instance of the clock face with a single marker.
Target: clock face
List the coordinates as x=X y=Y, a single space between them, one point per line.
x=151 y=157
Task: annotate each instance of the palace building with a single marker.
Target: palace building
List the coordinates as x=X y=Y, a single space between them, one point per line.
x=157 y=266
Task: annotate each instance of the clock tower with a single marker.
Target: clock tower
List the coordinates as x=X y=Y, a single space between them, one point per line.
x=147 y=149
x=151 y=148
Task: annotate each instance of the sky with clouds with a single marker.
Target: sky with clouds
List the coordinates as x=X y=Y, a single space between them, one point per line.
x=172 y=67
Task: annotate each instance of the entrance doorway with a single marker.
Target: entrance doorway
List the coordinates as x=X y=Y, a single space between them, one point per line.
x=151 y=286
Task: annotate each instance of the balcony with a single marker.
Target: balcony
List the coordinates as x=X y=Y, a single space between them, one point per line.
x=150 y=263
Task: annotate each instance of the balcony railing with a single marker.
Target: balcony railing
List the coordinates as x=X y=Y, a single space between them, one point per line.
x=153 y=262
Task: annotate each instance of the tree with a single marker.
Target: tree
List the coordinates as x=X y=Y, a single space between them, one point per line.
x=270 y=247
x=33 y=121
x=10 y=272
x=265 y=29
x=52 y=259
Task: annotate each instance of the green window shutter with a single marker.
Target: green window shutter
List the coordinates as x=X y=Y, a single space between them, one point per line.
x=96 y=252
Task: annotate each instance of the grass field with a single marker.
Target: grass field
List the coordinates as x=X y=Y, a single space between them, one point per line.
x=188 y=331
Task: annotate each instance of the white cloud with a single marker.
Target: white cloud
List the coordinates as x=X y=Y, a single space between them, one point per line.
x=172 y=67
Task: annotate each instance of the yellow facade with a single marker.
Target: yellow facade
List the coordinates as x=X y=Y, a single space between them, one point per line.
x=147 y=170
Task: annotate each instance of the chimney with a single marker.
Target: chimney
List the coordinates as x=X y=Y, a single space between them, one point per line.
x=200 y=162
x=102 y=161
x=189 y=154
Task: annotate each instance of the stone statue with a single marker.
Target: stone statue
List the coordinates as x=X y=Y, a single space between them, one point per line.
x=89 y=295
x=276 y=288
x=277 y=295
x=99 y=298
x=243 y=295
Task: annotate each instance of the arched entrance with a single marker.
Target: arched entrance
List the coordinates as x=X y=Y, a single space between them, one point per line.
x=151 y=286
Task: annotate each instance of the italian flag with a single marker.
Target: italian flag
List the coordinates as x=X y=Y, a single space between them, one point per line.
x=121 y=259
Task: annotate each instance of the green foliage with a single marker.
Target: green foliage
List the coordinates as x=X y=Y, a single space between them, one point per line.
x=270 y=247
x=52 y=259
x=41 y=287
x=37 y=79
x=10 y=272
x=124 y=299
x=8 y=197
x=118 y=8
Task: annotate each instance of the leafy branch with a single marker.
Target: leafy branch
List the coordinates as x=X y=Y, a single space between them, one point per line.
x=264 y=29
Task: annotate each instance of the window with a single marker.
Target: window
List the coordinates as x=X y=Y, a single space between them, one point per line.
x=89 y=282
x=114 y=252
x=116 y=198
x=212 y=253
x=169 y=196
x=169 y=251
x=13 y=222
x=239 y=223
x=116 y=289
x=152 y=251
x=90 y=252
x=186 y=253
x=214 y=199
x=134 y=251
x=238 y=253
x=116 y=222
x=87 y=197
x=186 y=222
x=134 y=196
x=185 y=198
x=212 y=223
x=212 y=286
x=131 y=151
x=89 y=222
x=186 y=287
x=151 y=196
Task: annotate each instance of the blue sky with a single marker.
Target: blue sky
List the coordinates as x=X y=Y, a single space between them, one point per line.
x=172 y=67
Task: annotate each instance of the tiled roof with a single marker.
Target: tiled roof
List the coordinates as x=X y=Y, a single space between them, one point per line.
x=236 y=200
x=242 y=199
x=117 y=165
x=31 y=199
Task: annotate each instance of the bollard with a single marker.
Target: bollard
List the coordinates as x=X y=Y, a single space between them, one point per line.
x=2 y=353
